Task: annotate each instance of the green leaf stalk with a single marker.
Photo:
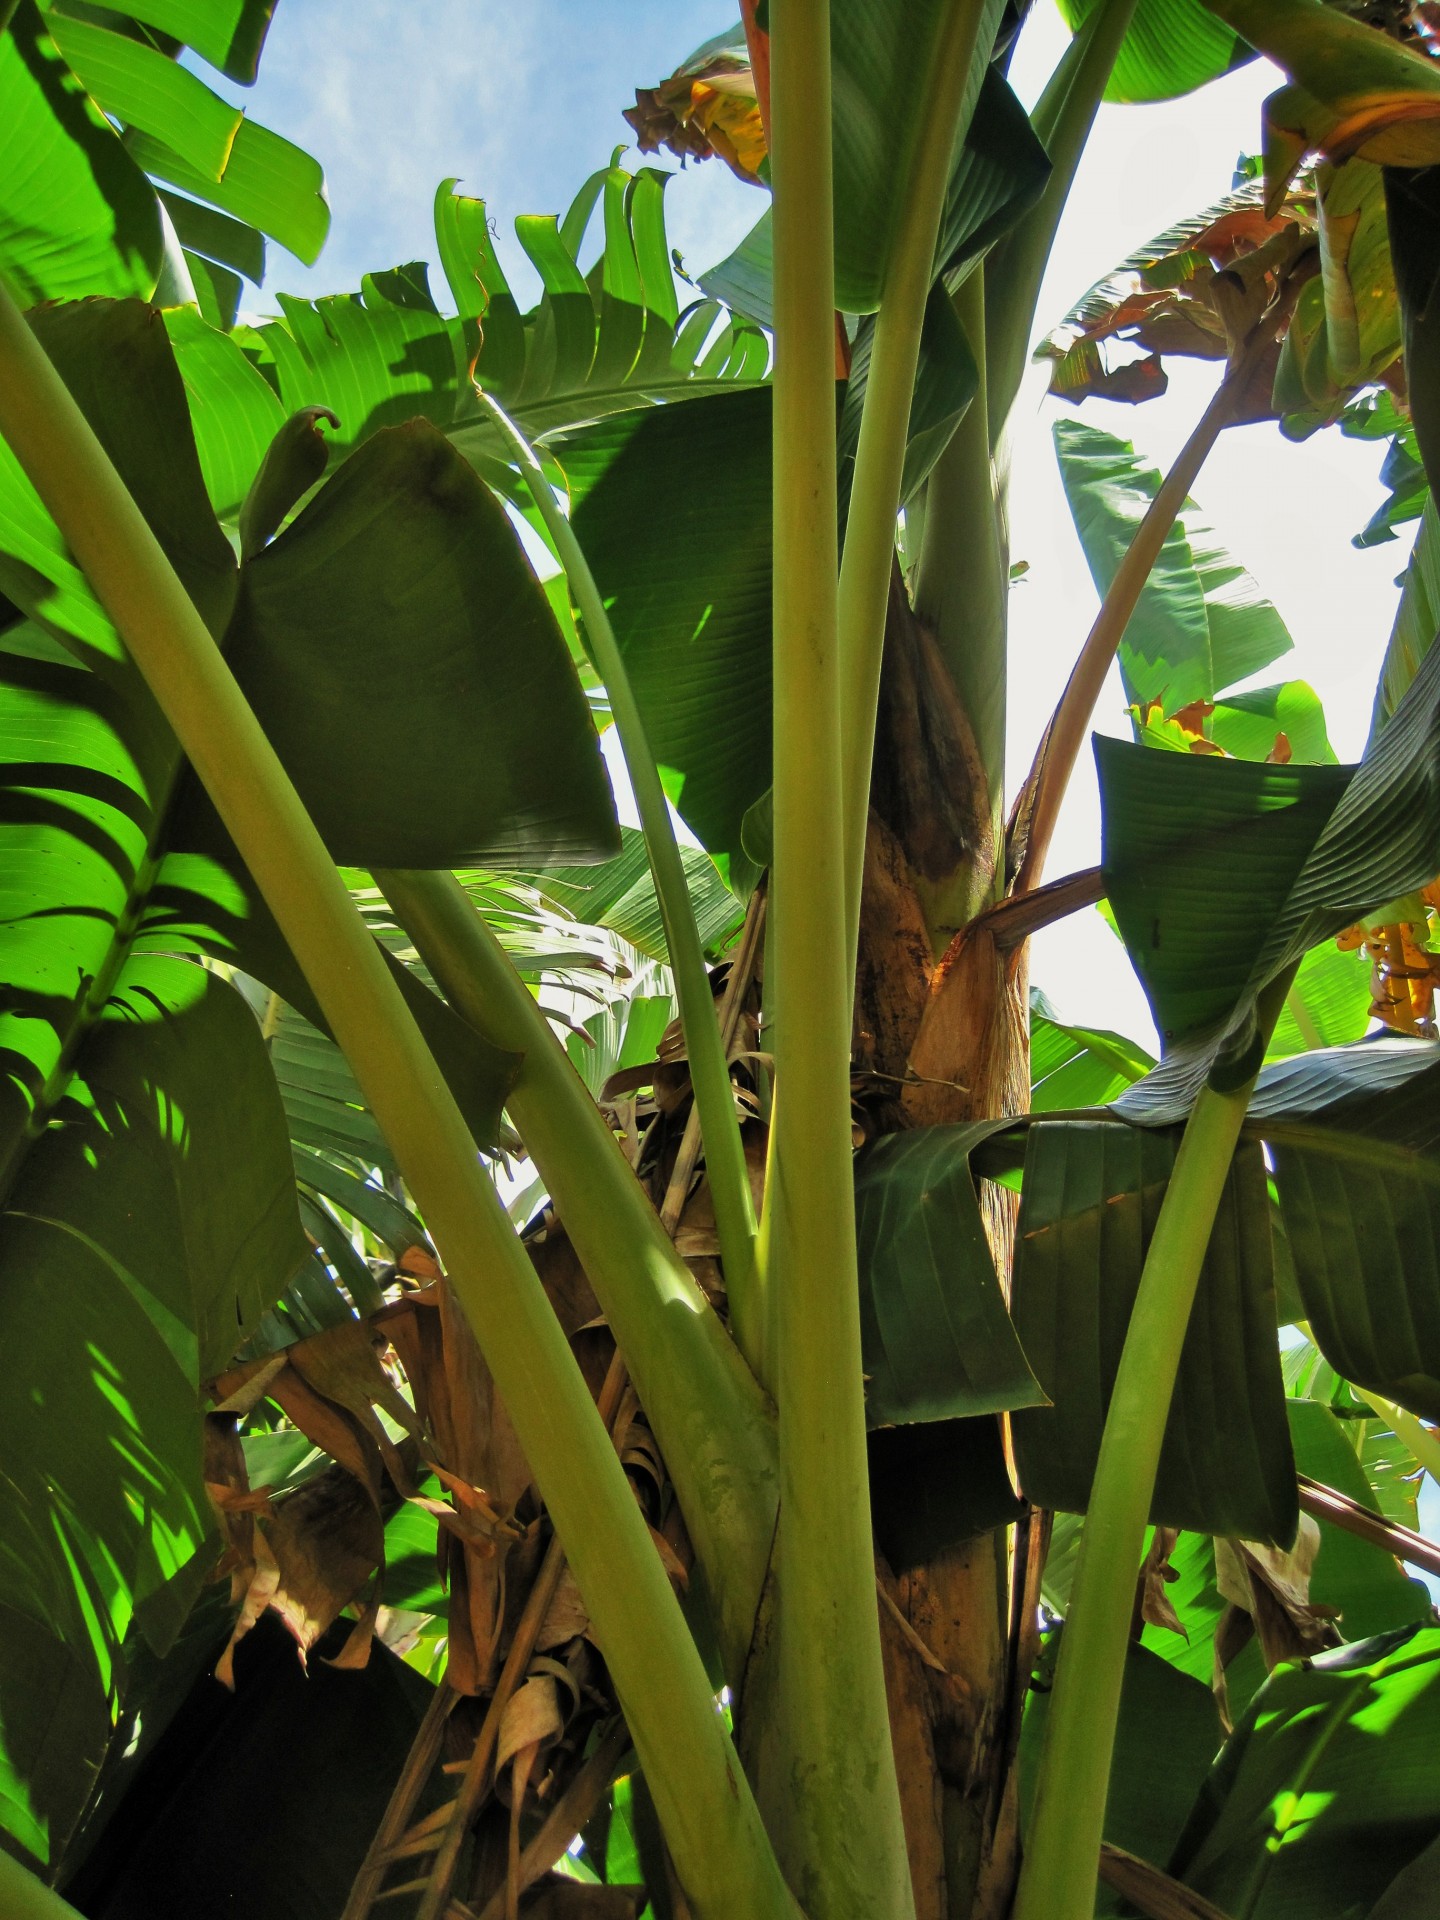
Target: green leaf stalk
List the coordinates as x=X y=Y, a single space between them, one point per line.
x=1062 y=1848
x=1063 y=117
x=714 y=1423
x=22 y=1896
x=1037 y=807
x=709 y=1071
x=720 y=1848
x=869 y=554
x=834 y=1803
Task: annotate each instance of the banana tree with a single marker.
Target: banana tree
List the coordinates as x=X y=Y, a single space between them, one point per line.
x=314 y=735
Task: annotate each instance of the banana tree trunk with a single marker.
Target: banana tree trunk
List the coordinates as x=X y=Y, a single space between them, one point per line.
x=940 y=1041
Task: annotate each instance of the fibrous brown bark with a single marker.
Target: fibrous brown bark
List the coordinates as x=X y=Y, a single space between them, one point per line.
x=938 y=1043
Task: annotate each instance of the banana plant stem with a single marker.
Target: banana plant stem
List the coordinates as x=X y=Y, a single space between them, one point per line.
x=833 y=1801
x=1037 y=807
x=1063 y=117
x=705 y=1805
x=714 y=1424
x=709 y=1072
x=885 y=421
x=1062 y=1849
x=23 y=1897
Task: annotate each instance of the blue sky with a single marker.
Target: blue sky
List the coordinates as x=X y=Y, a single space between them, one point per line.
x=521 y=101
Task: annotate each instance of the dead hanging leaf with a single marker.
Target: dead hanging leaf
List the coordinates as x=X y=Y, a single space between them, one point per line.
x=1234 y=1631
x=260 y=1590
x=477 y=1446
x=566 y=1618
x=250 y=1384
x=328 y=1427
x=419 y=1263
x=1194 y=290
x=1273 y=1586
x=532 y=1719
x=310 y=1560
x=471 y=1518
x=1153 y=1604
x=343 y=1365
x=707 y=107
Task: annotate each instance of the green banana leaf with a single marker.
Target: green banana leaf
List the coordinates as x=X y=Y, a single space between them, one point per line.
x=77 y=213
x=1077 y=1066
x=114 y=1209
x=1327 y=1788
x=880 y=58
x=1091 y=1196
x=1417 y=619
x=945 y=384
x=228 y=34
x=1249 y=725
x=1375 y=416
x=1345 y=329
x=385 y=354
x=1000 y=171
x=268 y=182
x=688 y=590
x=1352 y=1137
x=157 y=1101
x=1172 y=47
x=1412 y=207
x=620 y=896
x=137 y=84
x=1328 y=1004
x=397 y=622
x=1366 y=1586
x=1201 y=622
x=937 y=1342
x=1355 y=90
x=1332 y=847
x=234 y=411
x=1197 y=851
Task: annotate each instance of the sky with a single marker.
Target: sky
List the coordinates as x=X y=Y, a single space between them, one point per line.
x=522 y=102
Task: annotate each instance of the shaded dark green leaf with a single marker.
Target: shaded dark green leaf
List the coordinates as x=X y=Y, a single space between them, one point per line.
x=1166 y=1736
x=396 y=623
x=935 y=1484
x=688 y=590
x=1091 y=1198
x=1197 y=851
x=936 y=1338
